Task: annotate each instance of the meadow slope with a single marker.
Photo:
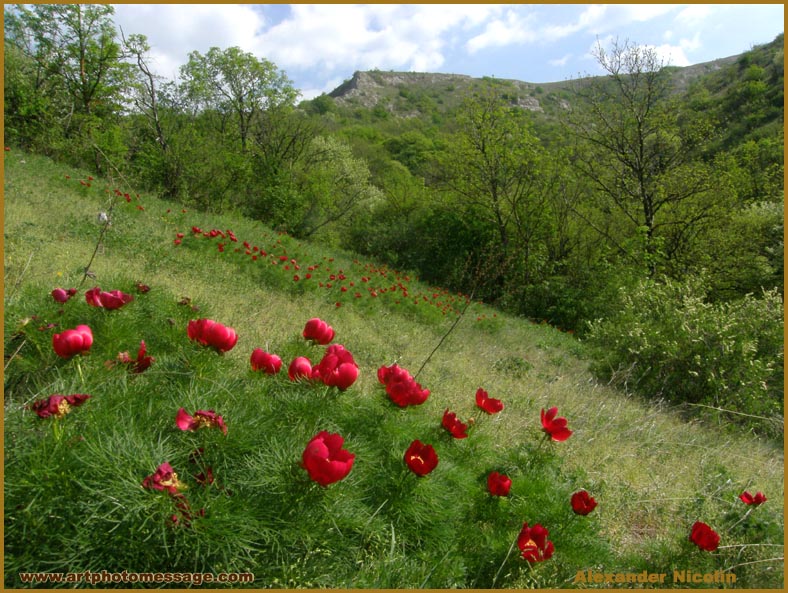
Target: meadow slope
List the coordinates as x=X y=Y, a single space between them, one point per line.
x=653 y=472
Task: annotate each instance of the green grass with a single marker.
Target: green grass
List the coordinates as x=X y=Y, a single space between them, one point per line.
x=73 y=495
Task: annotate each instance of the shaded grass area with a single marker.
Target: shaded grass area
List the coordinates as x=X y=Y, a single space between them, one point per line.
x=75 y=492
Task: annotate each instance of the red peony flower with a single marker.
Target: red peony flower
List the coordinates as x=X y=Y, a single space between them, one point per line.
x=498 y=484
x=201 y=419
x=73 y=341
x=300 y=368
x=114 y=299
x=211 y=333
x=583 y=503
x=555 y=427
x=318 y=331
x=401 y=387
x=141 y=363
x=533 y=543
x=61 y=295
x=58 y=405
x=421 y=458
x=164 y=479
x=454 y=426
x=325 y=460
x=704 y=537
x=264 y=361
x=748 y=498
x=487 y=403
x=337 y=368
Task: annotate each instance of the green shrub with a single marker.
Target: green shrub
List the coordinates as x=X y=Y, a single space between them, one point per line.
x=668 y=342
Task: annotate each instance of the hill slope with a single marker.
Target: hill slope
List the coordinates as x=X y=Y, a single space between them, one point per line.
x=652 y=473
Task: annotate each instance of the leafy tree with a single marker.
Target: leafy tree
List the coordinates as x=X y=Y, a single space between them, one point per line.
x=236 y=84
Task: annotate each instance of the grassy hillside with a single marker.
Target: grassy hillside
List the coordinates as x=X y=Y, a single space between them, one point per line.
x=74 y=499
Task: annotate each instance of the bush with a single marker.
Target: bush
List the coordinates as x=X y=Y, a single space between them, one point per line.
x=668 y=342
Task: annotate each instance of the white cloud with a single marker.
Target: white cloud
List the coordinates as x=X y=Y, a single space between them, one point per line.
x=694 y=15
x=560 y=61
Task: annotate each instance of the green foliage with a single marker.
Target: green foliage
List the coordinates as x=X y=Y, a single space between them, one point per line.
x=668 y=342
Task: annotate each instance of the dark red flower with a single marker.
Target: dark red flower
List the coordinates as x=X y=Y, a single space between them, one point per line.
x=555 y=427
x=421 y=459
x=61 y=295
x=498 y=484
x=454 y=425
x=142 y=287
x=211 y=333
x=748 y=498
x=318 y=331
x=533 y=543
x=325 y=460
x=487 y=403
x=200 y=419
x=141 y=363
x=265 y=361
x=300 y=368
x=583 y=503
x=401 y=387
x=164 y=479
x=704 y=537
x=58 y=405
x=113 y=299
x=337 y=368
x=73 y=341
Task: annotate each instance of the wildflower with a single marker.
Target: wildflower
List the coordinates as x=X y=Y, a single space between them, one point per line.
x=421 y=459
x=325 y=460
x=114 y=299
x=61 y=295
x=141 y=363
x=337 y=368
x=58 y=405
x=533 y=543
x=300 y=368
x=142 y=287
x=264 y=361
x=401 y=387
x=211 y=333
x=704 y=537
x=756 y=500
x=555 y=427
x=318 y=331
x=164 y=479
x=200 y=419
x=73 y=341
x=498 y=484
x=456 y=428
x=582 y=503
x=487 y=403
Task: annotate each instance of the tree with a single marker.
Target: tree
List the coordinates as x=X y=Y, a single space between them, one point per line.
x=237 y=84
x=639 y=156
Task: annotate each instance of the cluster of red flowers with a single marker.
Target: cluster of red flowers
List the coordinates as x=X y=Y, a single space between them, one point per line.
x=401 y=387
x=212 y=334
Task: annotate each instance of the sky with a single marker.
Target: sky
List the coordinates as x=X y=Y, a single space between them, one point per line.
x=319 y=46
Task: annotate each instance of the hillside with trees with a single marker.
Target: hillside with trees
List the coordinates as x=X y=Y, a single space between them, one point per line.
x=642 y=210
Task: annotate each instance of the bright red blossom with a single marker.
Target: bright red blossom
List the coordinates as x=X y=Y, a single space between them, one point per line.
x=337 y=368
x=555 y=427
x=300 y=368
x=325 y=460
x=456 y=428
x=318 y=331
x=498 y=484
x=211 y=333
x=113 y=299
x=401 y=387
x=421 y=459
x=583 y=503
x=748 y=498
x=704 y=537
x=61 y=295
x=58 y=405
x=265 y=361
x=164 y=479
x=73 y=341
x=200 y=419
x=533 y=543
x=487 y=403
